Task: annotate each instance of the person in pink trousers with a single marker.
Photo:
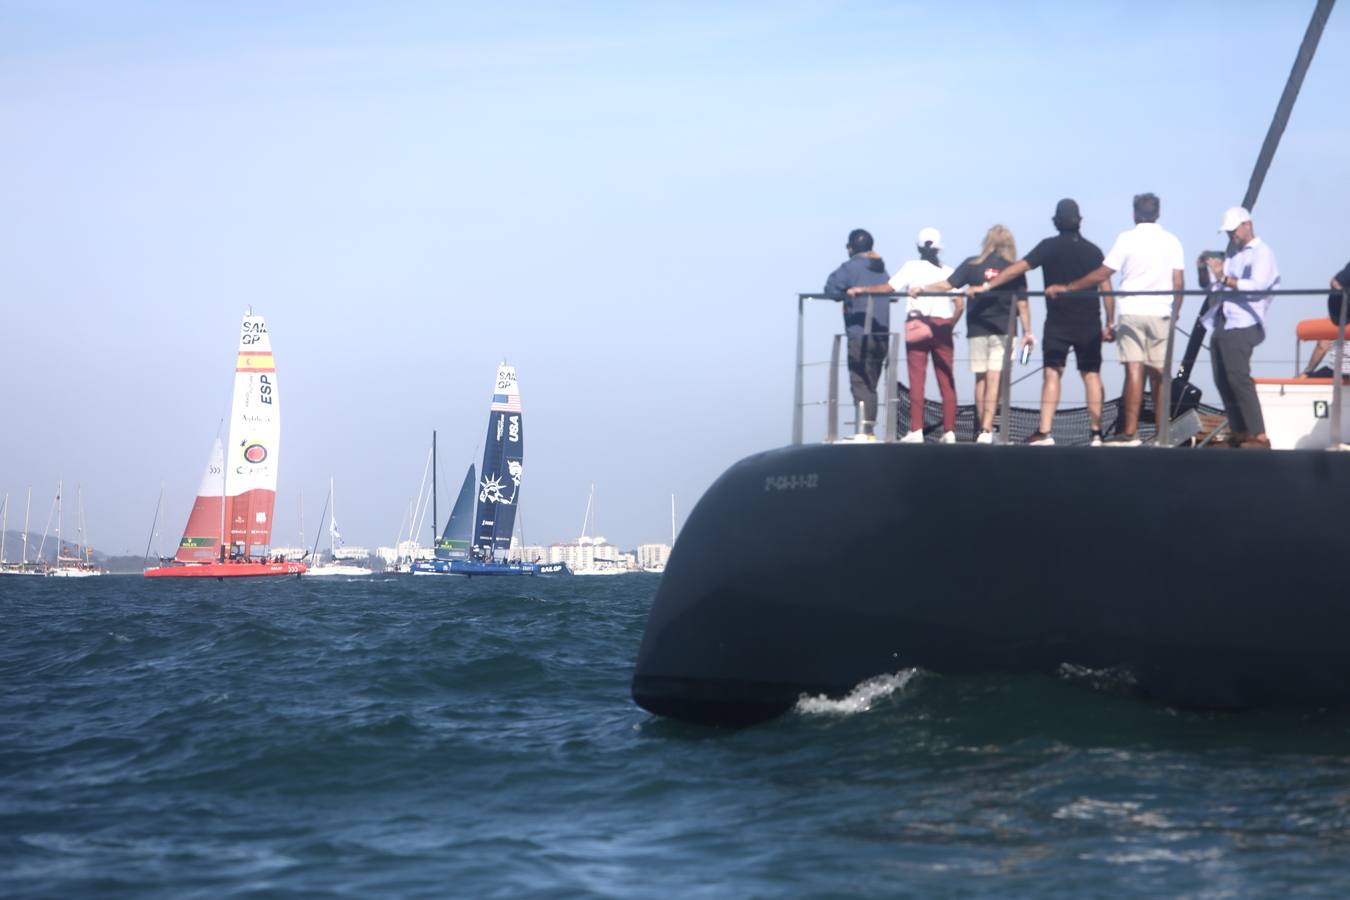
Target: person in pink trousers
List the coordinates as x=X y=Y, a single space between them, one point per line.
x=929 y=326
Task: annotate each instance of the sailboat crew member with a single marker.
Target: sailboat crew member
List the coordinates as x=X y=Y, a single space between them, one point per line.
x=1340 y=282
x=1237 y=320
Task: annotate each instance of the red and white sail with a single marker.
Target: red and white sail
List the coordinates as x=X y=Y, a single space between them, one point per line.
x=201 y=537
x=254 y=442
x=239 y=490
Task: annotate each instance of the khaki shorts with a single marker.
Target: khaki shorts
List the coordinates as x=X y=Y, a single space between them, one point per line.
x=986 y=353
x=1142 y=339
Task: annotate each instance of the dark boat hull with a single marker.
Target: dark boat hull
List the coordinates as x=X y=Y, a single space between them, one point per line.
x=471 y=568
x=1212 y=578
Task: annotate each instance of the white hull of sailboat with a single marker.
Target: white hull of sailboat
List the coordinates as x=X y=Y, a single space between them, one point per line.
x=347 y=571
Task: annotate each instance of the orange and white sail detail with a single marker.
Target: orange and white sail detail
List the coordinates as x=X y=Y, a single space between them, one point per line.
x=201 y=537
x=253 y=446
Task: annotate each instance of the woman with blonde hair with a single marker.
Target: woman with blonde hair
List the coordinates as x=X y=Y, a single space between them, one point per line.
x=988 y=318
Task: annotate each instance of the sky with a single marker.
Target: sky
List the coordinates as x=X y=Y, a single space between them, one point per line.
x=621 y=200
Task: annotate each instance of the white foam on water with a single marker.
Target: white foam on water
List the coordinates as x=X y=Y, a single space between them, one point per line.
x=860 y=699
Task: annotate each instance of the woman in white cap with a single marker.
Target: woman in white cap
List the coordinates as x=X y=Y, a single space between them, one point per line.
x=929 y=323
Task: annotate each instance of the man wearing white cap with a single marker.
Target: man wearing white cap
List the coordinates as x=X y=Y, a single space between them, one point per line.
x=1237 y=319
x=929 y=322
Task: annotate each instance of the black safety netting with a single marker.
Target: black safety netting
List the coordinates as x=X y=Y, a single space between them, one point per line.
x=1072 y=425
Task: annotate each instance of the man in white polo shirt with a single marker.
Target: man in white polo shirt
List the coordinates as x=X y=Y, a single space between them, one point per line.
x=1236 y=318
x=1148 y=259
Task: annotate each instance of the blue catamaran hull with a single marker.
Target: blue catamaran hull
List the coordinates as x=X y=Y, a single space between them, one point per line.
x=470 y=568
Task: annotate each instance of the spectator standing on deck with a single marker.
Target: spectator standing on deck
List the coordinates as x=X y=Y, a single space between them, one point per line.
x=987 y=323
x=866 y=340
x=1072 y=320
x=929 y=322
x=1334 y=301
x=1148 y=258
x=1236 y=318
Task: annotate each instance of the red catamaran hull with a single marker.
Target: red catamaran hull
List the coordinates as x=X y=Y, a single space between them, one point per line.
x=227 y=570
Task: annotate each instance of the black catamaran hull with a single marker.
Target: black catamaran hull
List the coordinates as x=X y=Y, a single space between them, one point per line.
x=1213 y=578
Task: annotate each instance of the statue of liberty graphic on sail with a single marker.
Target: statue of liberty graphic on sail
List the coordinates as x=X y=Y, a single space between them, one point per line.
x=477 y=536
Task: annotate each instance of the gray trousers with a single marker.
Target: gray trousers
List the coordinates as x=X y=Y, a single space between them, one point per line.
x=865 y=358
x=1230 y=352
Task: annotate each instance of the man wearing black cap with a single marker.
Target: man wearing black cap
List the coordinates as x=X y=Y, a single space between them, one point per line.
x=1073 y=320
x=866 y=343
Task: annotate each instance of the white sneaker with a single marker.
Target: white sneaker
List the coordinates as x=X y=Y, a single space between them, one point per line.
x=914 y=437
x=986 y=437
x=948 y=437
x=861 y=437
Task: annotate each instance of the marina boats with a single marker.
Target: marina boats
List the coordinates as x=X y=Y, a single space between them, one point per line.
x=76 y=562
x=230 y=526
x=1202 y=578
x=335 y=566
x=23 y=567
x=477 y=537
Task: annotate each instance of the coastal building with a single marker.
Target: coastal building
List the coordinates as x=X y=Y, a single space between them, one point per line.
x=404 y=550
x=583 y=553
x=652 y=556
x=527 y=553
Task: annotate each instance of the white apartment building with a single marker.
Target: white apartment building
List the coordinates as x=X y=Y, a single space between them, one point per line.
x=583 y=552
x=404 y=550
x=527 y=553
x=652 y=556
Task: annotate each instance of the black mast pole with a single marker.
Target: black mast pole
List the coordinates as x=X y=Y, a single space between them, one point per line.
x=1286 y=105
x=1283 y=110
x=433 y=487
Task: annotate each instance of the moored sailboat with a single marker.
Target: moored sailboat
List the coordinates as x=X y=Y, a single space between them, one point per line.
x=334 y=565
x=230 y=526
x=79 y=564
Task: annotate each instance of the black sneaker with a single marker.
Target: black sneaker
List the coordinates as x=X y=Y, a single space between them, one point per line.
x=1095 y=437
x=1123 y=440
x=1040 y=439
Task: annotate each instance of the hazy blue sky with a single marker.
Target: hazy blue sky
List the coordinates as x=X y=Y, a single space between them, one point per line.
x=620 y=199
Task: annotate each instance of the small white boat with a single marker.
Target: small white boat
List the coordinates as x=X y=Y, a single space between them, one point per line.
x=335 y=566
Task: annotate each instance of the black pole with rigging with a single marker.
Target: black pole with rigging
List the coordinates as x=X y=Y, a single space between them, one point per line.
x=433 y=487
x=1184 y=395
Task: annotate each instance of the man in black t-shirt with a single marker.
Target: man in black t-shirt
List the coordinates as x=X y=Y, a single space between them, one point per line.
x=1339 y=282
x=1072 y=320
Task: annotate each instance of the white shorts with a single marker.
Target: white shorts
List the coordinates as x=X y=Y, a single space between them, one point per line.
x=986 y=353
x=1142 y=339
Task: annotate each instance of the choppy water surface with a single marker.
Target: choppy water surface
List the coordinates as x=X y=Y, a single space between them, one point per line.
x=444 y=737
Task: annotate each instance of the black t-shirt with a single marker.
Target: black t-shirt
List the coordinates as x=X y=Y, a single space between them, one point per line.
x=1334 y=299
x=988 y=313
x=1063 y=258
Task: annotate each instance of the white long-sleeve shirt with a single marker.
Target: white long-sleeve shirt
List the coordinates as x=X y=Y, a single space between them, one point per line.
x=918 y=273
x=1245 y=305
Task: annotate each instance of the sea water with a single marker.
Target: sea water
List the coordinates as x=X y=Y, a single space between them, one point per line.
x=439 y=737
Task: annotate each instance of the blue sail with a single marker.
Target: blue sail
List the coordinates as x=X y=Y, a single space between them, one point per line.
x=503 y=463
x=455 y=541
